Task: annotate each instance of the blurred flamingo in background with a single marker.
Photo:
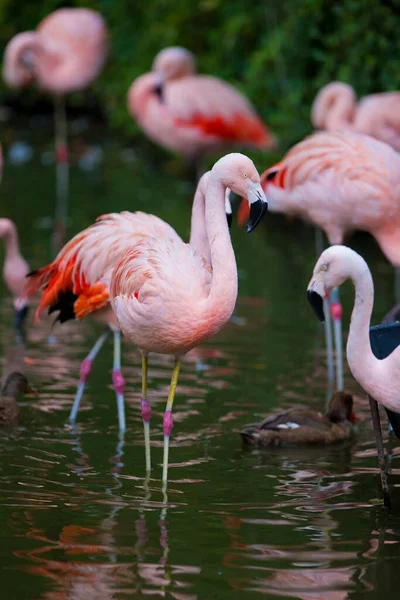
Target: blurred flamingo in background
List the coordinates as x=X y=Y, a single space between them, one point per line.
x=15 y=270
x=335 y=107
x=193 y=114
x=167 y=298
x=76 y=283
x=340 y=181
x=65 y=54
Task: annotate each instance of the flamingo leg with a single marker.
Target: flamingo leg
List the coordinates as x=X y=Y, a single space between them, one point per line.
x=146 y=413
x=328 y=341
x=168 y=422
x=379 y=446
x=336 y=313
x=86 y=367
x=118 y=380
x=62 y=172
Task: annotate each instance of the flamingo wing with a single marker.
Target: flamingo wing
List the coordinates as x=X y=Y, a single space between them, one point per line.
x=77 y=282
x=215 y=109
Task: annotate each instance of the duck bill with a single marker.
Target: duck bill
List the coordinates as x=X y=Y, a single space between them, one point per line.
x=317 y=304
x=258 y=205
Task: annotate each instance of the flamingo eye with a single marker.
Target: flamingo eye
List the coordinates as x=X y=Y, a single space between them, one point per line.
x=245 y=176
x=324 y=267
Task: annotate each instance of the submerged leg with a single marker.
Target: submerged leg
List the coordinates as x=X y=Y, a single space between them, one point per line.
x=86 y=367
x=168 y=422
x=336 y=312
x=379 y=446
x=118 y=380
x=328 y=341
x=62 y=172
x=146 y=414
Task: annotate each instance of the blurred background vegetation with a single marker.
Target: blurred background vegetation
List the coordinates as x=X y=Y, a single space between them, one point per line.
x=278 y=53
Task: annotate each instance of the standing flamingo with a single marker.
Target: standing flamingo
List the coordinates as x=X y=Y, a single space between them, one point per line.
x=340 y=181
x=193 y=114
x=166 y=298
x=65 y=54
x=15 y=270
x=379 y=378
x=76 y=283
x=335 y=107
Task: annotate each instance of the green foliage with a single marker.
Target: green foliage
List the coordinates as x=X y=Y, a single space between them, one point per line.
x=278 y=54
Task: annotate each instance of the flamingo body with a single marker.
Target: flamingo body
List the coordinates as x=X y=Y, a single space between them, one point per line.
x=65 y=53
x=190 y=113
x=335 y=107
x=341 y=181
x=167 y=298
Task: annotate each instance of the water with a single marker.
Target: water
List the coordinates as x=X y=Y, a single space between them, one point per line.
x=78 y=518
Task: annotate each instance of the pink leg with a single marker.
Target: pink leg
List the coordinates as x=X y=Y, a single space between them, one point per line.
x=119 y=381
x=146 y=414
x=86 y=367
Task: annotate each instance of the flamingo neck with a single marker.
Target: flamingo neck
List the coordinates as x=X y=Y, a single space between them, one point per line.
x=224 y=287
x=340 y=114
x=361 y=359
x=198 y=231
x=11 y=243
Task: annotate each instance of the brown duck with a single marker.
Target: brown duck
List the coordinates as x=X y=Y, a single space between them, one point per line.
x=14 y=385
x=302 y=426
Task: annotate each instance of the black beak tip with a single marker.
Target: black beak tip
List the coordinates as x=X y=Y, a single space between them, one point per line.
x=317 y=304
x=159 y=92
x=257 y=211
x=229 y=219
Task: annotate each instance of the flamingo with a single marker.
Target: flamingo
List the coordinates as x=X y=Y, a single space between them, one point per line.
x=167 y=299
x=379 y=378
x=335 y=107
x=340 y=181
x=76 y=283
x=193 y=114
x=64 y=54
x=15 y=270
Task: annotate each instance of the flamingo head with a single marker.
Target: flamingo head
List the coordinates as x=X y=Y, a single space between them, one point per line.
x=174 y=62
x=334 y=266
x=6 y=227
x=19 y=59
x=238 y=173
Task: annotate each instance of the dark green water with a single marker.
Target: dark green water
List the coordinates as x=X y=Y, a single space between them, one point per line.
x=78 y=521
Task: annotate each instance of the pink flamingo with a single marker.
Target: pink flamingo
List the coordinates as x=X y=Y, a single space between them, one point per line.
x=335 y=107
x=166 y=298
x=65 y=54
x=15 y=270
x=379 y=378
x=76 y=283
x=193 y=114
x=340 y=181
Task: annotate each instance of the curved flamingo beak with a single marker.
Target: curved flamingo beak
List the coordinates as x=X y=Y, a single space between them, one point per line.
x=159 y=89
x=228 y=207
x=317 y=304
x=258 y=204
